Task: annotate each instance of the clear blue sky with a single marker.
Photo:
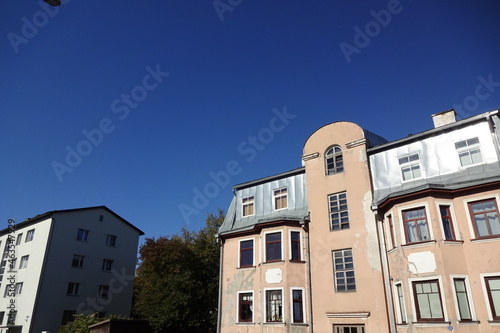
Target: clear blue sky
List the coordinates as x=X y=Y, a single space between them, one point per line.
x=101 y=68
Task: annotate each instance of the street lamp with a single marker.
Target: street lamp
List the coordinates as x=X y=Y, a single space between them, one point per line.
x=53 y=2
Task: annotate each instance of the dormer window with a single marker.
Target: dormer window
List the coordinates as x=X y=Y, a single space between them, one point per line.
x=247 y=206
x=334 y=161
x=469 y=152
x=410 y=166
x=280 y=198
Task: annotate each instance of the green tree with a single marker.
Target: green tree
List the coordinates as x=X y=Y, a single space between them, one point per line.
x=82 y=322
x=176 y=287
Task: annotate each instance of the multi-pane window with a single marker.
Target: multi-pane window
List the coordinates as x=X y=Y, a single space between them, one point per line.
x=484 y=215
x=246 y=253
x=245 y=307
x=469 y=152
x=462 y=299
x=344 y=271
x=274 y=306
x=428 y=301
x=295 y=245
x=273 y=246
x=111 y=240
x=493 y=291
x=349 y=328
x=13 y=289
x=445 y=212
x=103 y=292
x=416 y=227
x=280 y=198
x=30 y=235
x=401 y=303
x=410 y=166
x=247 y=205
x=24 y=262
x=107 y=265
x=339 y=214
x=297 y=306
x=334 y=163
x=73 y=289
x=82 y=235
x=77 y=261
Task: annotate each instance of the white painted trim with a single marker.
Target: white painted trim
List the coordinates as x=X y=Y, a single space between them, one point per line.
x=238 y=306
x=467 y=212
x=399 y=315
x=469 y=295
x=454 y=221
x=264 y=309
x=485 y=292
x=424 y=204
x=264 y=247
x=239 y=250
x=412 y=297
x=300 y=245
x=241 y=206
x=274 y=196
x=303 y=304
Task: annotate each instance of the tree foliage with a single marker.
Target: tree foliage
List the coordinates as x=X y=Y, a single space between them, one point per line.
x=176 y=287
x=82 y=322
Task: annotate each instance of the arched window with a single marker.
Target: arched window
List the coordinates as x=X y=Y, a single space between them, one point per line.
x=333 y=160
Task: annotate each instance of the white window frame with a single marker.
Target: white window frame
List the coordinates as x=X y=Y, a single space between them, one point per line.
x=402 y=225
x=410 y=164
x=301 y=257
x=468 y=148
x=283 y=306
x=485 y=292
x=399 y=315
x=390 y=237
x=279 y=196
x=239 y=251
x=264 y=245
x=466 y=202
x=30 y=235
x=24 y=262
x=304 y=318
x=19 y=238
x=413 y=301
x=339 y=211
x=356 y=286
x=469 y=296
x=238 y=307
x=453 y=217
x=243 y=205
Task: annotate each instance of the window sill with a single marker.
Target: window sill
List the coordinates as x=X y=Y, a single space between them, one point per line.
x=392 y=250
x=245 y=323
x=277 y=323
x=246 y=267
x=432 y=323
x=469 y=323
x=488 y=239
x=494 y=322
x=273 y=262
x=297 y=261
x=418 y=244
x=453 y=242
x=300 y=324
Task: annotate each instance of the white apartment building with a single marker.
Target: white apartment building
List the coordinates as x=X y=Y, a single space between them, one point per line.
x=65 y=262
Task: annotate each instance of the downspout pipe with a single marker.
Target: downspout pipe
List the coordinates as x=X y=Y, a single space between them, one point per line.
x=305 y=225
x=219 y=305
x=385 y=272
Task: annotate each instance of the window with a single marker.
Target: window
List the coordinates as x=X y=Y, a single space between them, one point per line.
x=297 y=306
x=349 y=328
x=13 y=290
x=110 y=240
x=416 y=227
x=410 y=167
x=449 y=234
x=428 y=300
x=274 y=306
x=401 y=303
x=247 y=204
x=103 y=291
x=280 y=198
x=82 y=235
x=344 y=271
x=68 y=315
x=339 y=215
x=334 y=161
x=391 y=231
x=246 y=253
x=484 y=216
x=469 y=152
x=101 y=218
x=493 y=291
x=2 y=315
x=29 y=235
x=19 y=238
x=462 y=299
x=12 y=264
x=19 y=288
x=245 y=307
x=107 y=265
x=273 y=246
x=77 y=261
x=295 y=246
x=73 y=289
x=24 y=262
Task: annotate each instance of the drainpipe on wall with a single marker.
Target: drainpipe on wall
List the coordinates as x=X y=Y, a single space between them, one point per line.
x=385 y=272
x=219 y=305
x=305 y=225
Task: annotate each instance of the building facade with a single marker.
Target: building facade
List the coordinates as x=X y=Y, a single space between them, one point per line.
x=373 y=236
x=66 y=262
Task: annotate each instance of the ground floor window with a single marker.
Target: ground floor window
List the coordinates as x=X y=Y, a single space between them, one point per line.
x=348 y=328
x=493 y=290
x=245 y=307
x=428 y=300
x=274 y=306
